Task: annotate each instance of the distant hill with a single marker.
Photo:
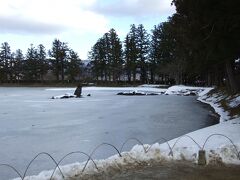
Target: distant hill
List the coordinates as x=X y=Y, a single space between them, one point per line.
x=85 y=62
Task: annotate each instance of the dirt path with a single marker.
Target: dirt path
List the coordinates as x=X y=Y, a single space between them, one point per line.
x=172 y=171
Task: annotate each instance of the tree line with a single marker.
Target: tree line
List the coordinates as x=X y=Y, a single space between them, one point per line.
x=63 y=63
x=197 y=45
x=112 y=59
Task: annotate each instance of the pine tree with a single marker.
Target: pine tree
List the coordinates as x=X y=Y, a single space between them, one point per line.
x=59 y=54
x=106 y=56
x=5 y=58
x=73 y=66
x=143 y=50
x=43 y=65
x=31 y=72
x=213 y=35
x=11 y=67
x=127 y=58
x=99 y=61
x=18 y=65
x=115 y=55
x=155 y=52
x=162 y=51
x=131 y=53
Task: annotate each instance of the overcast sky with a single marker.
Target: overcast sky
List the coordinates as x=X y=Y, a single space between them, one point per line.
x=78 y=22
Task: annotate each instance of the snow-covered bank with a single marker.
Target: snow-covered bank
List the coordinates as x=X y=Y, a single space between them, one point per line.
x=216 y=140
x=185 y=90
x=218 y=149
x=219 y=99
x=93 y=88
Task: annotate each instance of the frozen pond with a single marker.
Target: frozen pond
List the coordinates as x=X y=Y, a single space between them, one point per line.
x=32 y=122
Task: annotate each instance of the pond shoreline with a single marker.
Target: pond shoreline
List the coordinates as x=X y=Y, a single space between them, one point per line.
x=219 y=152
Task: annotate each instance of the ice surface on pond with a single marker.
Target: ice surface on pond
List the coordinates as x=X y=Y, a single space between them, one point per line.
x=218 y=147
x=32 y=122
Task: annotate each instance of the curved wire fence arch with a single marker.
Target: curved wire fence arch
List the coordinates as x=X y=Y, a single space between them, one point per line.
x=13 y=169
x=48 y=155
x=97 y=147
x=71 y=153
x=235 y=147
x=165 y=141
x=135 y=139
x=146 y=150
x=187 y=137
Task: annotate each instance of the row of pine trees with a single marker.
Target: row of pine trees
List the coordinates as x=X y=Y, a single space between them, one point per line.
x=61 y=60
x=111 y=59
x=149 y=55
x=198 y=45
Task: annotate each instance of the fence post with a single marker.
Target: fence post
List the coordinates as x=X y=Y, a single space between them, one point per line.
x=202 y=157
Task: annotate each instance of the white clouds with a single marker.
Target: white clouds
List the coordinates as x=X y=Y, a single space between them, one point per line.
x=135 y=8
x=57 y=15
x=78 y=22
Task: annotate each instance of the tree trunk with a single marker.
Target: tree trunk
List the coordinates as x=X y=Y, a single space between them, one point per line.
x=209 y=79
x=114 y=76
x=152 y=77
x=144 y=75
x=134 y=76
x=62 y=71
x=231 y=78
x=129 y=74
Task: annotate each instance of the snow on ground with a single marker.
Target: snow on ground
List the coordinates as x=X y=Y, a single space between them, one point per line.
x=183 y=90
x=144 y=90
x=154 y=85
x=235 y=101
x=66 y=95
x=218 y=147
x=93 y=88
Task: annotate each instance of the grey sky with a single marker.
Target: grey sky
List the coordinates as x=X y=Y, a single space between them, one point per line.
x=134 y=8
x=18 y=25
x=80 y=23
